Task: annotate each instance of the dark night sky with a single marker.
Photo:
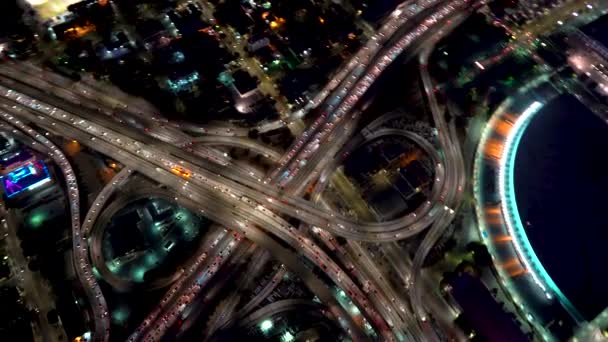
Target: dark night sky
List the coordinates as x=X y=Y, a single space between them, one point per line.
x=562 y=190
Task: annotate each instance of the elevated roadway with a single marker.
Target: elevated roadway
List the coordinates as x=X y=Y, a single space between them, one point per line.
x=82 y=266
x=243 y=143
x=96 y=238
x=280 y=229
x=348 y=95
x=453 y=186
x=229 y=187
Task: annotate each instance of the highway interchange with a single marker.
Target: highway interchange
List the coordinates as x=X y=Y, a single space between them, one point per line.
x=254 y=206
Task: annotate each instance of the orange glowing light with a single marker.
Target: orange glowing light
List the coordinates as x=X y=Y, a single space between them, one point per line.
x=504 y=238
x=503 y=128
x=495 y=220
x=518 y=272
x=274 y=24
x=181 y=172
x=511 y=263
x=79 y=31
x=493 y=210
x=494 y=149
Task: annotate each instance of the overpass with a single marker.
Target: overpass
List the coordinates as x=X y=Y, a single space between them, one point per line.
x=228 y=191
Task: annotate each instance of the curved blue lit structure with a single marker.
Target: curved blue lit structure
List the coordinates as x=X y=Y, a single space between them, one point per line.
x=506 y=186
x=520 y=271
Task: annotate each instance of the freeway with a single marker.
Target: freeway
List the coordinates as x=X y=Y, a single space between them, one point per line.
x=332 y=151
x=364 y=261
x=337 y=145
x=224 y=259
x=101 y=319
x=189 y=317
x=230 y=181
x=37 y=106
x=182 y=293
x=118 y=140
x=89 y=88
x=242 y=193
x=301 y=185
x=243 y=143
x=116 y=282
x=88 y=127
x=341 y=229
x=102 y=220
x=100 y=200
x=401 y=15
x=37 y=294
x=220 y=129
x=227 y=310
x=132 y=110
x=120 y=110
x=155 y=127
x=82 y=266
x=368 y=274
x=454 y=185
x=264 y=293
x=58 y=120
x=112 y=103
x=277 y=308
x=353 y=91
x=373 y=131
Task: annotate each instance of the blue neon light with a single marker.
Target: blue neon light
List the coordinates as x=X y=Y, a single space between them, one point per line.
x=511 y=212
x=25 y=178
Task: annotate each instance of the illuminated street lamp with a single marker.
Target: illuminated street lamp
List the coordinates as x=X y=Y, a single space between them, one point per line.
x=266 y=325
x=287 y=337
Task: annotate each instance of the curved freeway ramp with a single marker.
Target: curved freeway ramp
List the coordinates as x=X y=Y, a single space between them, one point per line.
x=96 y=242
x=241 y=142
x=83 y=268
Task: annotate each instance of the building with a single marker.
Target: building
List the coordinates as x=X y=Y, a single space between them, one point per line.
x=20 y=168
x=244 y=89
x=24 y=178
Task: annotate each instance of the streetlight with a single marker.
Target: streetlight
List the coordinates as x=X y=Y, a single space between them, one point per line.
x=266 y=325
